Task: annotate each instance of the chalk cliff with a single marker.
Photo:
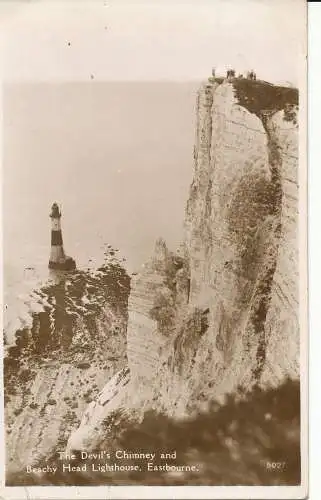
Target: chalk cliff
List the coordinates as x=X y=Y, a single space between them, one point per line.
x=222 y=311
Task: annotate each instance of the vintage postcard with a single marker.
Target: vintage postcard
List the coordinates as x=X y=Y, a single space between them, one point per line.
x=154 y=217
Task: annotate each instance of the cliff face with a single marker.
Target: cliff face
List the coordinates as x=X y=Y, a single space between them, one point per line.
x=222 y=312
x=241 y=239
x=282 y=322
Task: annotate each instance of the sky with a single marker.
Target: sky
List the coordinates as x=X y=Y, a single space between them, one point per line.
x=79 y=40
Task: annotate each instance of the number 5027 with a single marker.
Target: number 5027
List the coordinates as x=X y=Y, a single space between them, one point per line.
x=275 y=465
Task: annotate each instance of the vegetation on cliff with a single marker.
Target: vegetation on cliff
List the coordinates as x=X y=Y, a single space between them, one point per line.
x=166 y=297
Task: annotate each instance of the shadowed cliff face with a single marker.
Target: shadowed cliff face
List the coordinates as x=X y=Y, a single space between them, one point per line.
x=222 y=312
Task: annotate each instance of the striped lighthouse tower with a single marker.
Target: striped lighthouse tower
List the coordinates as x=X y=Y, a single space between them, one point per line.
x=58 y=259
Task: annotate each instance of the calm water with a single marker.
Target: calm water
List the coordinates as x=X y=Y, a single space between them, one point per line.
x=117 y=157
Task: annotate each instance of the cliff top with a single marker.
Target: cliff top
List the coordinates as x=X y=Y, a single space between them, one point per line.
x=258 y=96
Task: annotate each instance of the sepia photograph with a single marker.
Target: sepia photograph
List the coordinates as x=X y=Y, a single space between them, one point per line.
x=154 y=248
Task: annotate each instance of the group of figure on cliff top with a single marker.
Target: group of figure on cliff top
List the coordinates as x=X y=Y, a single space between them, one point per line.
x=230 y=73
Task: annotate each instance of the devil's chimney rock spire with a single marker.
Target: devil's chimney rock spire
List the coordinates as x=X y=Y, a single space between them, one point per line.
x=58 y=259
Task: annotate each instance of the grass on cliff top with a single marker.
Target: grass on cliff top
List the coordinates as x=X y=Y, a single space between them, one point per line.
x=258 y=96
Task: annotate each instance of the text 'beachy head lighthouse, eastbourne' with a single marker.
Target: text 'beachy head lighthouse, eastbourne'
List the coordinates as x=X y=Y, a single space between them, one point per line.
x=58 y=259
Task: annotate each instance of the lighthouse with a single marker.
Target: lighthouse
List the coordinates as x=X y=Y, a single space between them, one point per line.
x=58 y=260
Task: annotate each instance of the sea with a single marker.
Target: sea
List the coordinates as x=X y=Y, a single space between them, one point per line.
x=118 y=159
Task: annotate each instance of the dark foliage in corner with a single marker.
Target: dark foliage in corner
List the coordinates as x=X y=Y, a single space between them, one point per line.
x=252 y=439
